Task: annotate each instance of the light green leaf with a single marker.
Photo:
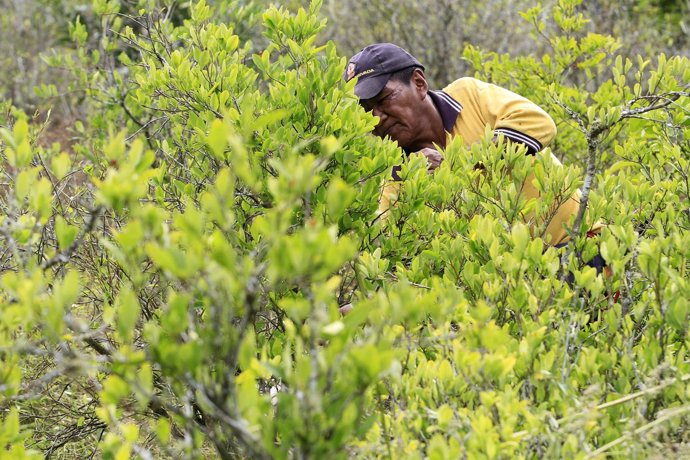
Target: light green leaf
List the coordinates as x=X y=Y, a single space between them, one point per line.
x=217 y=138
x=60 y=165
x=66 y=233
x=128 y=310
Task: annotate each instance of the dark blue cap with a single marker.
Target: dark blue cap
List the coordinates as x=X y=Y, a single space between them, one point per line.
x=374 y=65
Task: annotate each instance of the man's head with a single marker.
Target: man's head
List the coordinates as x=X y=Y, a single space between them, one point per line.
x=374 y=65
x=391 y=84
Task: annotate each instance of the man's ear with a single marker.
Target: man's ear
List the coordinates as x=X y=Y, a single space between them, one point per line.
x=419 y=83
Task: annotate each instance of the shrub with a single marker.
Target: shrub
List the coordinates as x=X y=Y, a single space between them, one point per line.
x=179 y=276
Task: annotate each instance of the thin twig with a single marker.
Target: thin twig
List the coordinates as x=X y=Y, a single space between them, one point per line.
x=667 y=416
x=64 y=256
x=615 y=402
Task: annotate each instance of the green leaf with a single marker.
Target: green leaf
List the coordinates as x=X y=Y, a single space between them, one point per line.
x=128 y=311
x=678 y=313
x=60 y=165
x=163 y=430
x=20 y=131
x=247 y=350
x=23 y=153
x=41 y=199
x=172 y=260
x=444 y=415
x=270 y=118
x=333 y=328
x=26 y=179
x=65 y=233
x=11 y=425
x=520 y=235
x=620 y=165
x=114 y=390
x=338 y=197
x=175 y=318
x=131 y=236
x=66 y=292
x=218 y=138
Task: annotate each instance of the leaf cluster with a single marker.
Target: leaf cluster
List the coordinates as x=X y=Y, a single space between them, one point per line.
x=180 y=272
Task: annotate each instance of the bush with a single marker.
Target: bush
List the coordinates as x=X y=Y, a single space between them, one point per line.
x=172 y=288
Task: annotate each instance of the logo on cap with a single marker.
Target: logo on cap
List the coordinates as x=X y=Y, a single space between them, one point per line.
x=350 y=71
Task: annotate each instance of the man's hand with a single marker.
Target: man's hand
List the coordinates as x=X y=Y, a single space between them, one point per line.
x=433 y=158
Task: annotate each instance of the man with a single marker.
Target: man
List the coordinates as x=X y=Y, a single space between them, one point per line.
x=391 y=84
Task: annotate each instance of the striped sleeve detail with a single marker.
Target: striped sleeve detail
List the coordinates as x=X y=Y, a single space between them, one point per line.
x=452 y=102
x=533 y=145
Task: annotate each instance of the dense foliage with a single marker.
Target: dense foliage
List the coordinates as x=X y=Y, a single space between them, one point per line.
x=170 y=283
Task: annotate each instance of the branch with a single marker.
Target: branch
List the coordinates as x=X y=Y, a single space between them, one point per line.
x=237 y=426
x=592 y=144
x=667 y=99
x=624 y=399
x=572 y=114
x=667 y=416
x=89 y=336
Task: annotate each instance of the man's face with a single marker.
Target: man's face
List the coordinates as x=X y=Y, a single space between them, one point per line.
x=397 y=107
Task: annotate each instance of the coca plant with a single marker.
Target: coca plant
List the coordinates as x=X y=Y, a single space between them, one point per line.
x=170 y=286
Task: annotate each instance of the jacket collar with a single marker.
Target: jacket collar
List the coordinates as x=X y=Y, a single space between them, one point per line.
x=448 y=108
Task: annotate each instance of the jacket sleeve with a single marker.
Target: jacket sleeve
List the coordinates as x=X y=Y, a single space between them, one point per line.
x=516 y=118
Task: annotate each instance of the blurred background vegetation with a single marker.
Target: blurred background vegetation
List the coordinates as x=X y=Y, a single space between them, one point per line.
x=38 y=39
x=34 y=32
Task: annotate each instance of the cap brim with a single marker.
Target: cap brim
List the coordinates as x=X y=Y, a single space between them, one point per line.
x=368 y=87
